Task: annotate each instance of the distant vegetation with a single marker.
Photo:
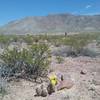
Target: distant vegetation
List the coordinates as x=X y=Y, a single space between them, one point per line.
x=77 y=41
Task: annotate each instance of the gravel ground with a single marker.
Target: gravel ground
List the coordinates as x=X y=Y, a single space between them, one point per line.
x=84 y=71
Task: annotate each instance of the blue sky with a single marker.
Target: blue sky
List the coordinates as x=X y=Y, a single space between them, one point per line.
x=15 y=9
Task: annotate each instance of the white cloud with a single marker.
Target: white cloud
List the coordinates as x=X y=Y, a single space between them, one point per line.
x=88 y=6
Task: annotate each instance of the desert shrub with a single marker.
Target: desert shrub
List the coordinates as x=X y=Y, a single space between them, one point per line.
x=65 y=51
x=14 y=38
x=76 y=42
x=14 y=60
x=3 y=92
x=88 y=52
x=3 y=88
x=26 y=62
x=61 y=51
x=41 y=55
x=28 y=38
x=59 y=59
x=4 y=39
x=73 y=45
x=98 y=40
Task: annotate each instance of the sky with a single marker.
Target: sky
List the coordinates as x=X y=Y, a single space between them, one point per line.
x=16 y=9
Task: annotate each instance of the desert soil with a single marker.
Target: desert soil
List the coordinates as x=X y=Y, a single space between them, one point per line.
x=84 y=71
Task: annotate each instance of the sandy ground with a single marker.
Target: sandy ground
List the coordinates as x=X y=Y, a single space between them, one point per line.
x=86 y=86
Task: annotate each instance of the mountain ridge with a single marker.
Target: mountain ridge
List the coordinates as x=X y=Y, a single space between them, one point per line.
x=53 y=23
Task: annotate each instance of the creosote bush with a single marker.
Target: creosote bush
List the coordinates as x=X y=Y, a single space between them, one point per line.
x=26 y=62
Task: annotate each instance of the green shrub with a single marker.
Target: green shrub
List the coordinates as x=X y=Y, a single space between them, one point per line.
x=28 y=38
x=59 y=59
x=2 y=92
x=4 y=39
x=76 y=42
x=3 y=88
x=31 y=61
x=40 y=53
x=98 y=40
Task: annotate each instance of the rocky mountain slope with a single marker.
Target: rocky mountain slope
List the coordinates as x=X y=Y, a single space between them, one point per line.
x=53 y=23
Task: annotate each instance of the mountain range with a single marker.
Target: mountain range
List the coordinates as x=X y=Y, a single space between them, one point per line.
x=52 y=24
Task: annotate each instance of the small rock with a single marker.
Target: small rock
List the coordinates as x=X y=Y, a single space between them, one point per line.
x=44 y=90
x=50 y=89
x=44 y=93
x=65 y=84
x=38 y=91
x=83 y=72
x=41 y=91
